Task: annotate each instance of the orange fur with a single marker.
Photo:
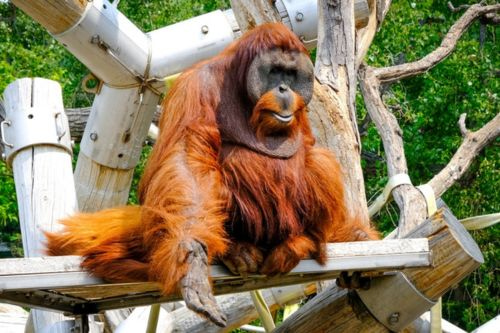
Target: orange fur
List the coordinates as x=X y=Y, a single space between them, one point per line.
x=265 y=124
x=196 y=187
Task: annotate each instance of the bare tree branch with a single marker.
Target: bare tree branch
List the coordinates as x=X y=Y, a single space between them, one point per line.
x=461 y=125
x=473 y=143
x=491 y=18
x=411 y=203
x=365 y=35
x=398 y=72
x=457 y=9
x=382 y=9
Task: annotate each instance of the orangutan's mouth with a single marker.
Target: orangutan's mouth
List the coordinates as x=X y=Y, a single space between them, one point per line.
x=285 y=118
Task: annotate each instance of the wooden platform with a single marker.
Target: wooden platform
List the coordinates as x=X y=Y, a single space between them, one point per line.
x=58 y=283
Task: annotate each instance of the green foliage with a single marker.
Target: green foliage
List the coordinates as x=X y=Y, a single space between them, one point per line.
x=8 y=207
x=139 y=169
x=151 y=15
x=427 y=107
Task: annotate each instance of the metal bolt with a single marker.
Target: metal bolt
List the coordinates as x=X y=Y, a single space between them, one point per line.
x=204 y=29
x=299 y=17
x=93 y=136
x=394 y=318
x=95 y=39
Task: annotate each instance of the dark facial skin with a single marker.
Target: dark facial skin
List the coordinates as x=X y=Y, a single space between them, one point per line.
x=282 y=71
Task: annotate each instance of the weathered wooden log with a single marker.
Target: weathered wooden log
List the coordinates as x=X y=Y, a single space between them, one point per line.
x=12 y=318
x=275 y=298
x=55 y=15
x=111 y=146
x=36 y=135
x=101 y=37
x=455 y=255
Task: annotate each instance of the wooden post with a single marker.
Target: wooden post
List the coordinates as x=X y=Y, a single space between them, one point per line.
x=36 y=135
x=455 y=255
x=111 y=146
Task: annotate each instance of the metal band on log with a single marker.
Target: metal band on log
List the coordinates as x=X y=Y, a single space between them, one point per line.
x=41 y=164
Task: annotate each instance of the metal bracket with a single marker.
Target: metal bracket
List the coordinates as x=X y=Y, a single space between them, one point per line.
x=81 y=324
x=178 y=46
x=394 y=301
x=301 y=16
x=34 y=126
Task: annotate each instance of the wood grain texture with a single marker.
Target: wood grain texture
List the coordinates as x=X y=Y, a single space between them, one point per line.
x=240 y=308
x=455 y=255
x=332 y=128
x=59 y=283
x=55 y=15
x=343 y=255
x=332 y=111
x=43 y=177
x=331 y=311
x=111 y=146
x=100 y=187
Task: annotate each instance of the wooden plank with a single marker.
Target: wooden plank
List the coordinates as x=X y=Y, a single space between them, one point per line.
x=13 y=322
x=59 y=283
x=341 y=256
x=12 y=318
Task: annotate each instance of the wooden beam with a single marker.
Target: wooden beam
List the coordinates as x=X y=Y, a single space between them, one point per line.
x=111 y=146
x=455 y=255
x=350 y=256
x=62 y=280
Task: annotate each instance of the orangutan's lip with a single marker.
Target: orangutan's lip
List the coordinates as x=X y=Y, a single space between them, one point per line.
x=283 y=118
